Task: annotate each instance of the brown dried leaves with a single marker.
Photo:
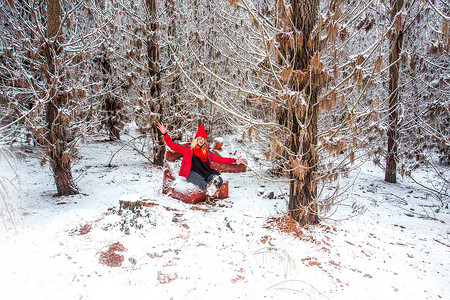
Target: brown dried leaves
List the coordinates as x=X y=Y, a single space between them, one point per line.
x=110 y=258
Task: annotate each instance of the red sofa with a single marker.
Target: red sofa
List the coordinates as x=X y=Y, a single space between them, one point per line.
x=180 y=189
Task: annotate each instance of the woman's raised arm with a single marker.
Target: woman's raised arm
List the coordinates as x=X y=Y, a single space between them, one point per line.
x=175 y=147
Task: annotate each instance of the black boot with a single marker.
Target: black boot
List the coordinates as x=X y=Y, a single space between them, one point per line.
x=210 y=200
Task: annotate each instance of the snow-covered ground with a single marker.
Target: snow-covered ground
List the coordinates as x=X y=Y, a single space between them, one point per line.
x=385 y=241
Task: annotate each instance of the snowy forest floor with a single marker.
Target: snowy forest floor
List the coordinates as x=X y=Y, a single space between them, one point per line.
x=384 y=241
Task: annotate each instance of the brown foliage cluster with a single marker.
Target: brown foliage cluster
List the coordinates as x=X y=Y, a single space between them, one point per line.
x=164 y=278
x=110 y=258
x=85 y=229
x=239 y=276
x=299 y=168
x=285 y=224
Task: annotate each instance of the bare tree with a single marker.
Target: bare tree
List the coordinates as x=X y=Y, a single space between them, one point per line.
x=173 y=77
x=57 y=135
x=112 y=105
x=303 y=118
x=156 y=105
x=394 y=66
x=45 y=71
x=416 y=106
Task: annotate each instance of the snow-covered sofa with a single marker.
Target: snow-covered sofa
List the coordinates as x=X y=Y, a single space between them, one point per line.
x=177 y=186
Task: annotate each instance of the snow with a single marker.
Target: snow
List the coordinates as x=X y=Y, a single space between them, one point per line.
x=383 y=241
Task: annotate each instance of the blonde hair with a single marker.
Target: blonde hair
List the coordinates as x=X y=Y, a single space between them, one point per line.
x=194 y=144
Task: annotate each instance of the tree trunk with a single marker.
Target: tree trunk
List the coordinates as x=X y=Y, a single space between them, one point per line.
x=156 y=105
x=60 y=158
x=54 y=14
x=112 y=105
x=173 y=83
x=303 y=188
x=394 y=62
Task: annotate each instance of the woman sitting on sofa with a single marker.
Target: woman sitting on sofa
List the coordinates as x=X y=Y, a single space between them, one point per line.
x=196 y=163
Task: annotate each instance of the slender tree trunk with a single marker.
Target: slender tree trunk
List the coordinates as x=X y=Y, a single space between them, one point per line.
x=173 y=84
x=111 y=104
x=303 y=189
x=156 y=105
x=60 y=158
x=394 y=61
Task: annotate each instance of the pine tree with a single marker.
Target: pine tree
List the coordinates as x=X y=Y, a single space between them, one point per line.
x=154 y=70
x=303 y=123
x=395 y=50
x=56 y=135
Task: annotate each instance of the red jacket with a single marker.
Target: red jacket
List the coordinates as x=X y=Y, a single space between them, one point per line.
x=187 y=156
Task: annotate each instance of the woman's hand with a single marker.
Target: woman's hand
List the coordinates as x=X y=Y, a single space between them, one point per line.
x=240 y=160
x=162 y=128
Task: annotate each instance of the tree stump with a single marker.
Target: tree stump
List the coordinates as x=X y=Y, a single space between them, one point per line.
x=130 y=202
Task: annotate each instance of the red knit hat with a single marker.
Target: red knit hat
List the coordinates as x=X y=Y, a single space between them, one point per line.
x=201 y=132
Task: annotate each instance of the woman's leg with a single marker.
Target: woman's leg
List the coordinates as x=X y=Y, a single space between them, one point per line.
x=197 y=179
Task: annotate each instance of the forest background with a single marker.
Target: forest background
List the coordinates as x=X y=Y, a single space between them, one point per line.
x=321 y=86
x=331 y=102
